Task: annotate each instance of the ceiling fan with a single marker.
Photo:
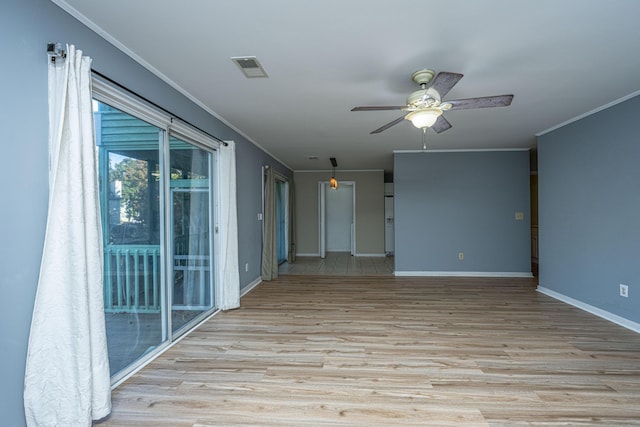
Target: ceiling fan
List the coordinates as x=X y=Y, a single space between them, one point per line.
x=425 y=106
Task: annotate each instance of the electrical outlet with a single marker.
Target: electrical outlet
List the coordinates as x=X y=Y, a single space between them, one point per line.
x=246 y=267
x=624 y=290
x=460 y=256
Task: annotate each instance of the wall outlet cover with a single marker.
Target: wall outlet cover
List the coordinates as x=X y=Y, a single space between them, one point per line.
x=624 y=290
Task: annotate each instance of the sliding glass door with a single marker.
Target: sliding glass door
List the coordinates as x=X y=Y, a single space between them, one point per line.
x=191 y=237
x=282 y=202
x=129 y=169
x=157 y=205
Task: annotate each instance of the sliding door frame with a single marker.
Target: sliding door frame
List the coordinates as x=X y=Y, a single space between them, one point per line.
x=119 y=98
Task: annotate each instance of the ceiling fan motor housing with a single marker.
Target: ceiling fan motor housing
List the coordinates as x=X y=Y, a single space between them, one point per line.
x=421 y=99
x=422 y=77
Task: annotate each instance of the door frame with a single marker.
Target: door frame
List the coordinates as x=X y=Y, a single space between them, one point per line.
x=323 y=187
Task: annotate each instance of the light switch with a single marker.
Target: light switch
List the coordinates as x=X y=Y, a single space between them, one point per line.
x=519 y=216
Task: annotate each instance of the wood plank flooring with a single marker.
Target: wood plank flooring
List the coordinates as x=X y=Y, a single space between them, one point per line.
x=340 y=264
x=385 y=351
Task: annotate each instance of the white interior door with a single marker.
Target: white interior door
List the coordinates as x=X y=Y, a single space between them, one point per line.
x=337 y=218
x=388 y=225
x=322 y=230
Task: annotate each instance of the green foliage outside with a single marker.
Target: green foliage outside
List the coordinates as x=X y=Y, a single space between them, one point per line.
x=133 y=174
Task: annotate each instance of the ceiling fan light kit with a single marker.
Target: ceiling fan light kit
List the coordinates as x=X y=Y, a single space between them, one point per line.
x=424 y=118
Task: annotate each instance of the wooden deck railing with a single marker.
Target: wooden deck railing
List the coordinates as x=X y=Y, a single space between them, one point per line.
x=132 y=278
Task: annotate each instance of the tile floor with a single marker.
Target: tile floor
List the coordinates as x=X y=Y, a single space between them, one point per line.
x=340 y=264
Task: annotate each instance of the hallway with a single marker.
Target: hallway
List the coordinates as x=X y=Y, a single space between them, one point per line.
x=339 y=264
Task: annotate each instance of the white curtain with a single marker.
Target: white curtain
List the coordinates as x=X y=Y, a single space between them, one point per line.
x=67 y=372
x=291 y=227
x=228 y=285
x=269 y=239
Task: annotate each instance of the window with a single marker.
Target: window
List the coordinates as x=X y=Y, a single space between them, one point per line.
x=157 y=196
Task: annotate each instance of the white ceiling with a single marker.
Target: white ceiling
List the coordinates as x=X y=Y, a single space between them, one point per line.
x=560 y=59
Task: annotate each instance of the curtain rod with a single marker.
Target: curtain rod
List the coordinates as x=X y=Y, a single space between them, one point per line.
x=99 y=74
x=57 y=53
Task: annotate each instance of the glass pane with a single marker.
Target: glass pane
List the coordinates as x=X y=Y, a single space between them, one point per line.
x=192 y=244
x=130 y=204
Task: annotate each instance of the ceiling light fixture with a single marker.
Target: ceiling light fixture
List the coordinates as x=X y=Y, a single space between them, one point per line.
x=424 y=118
x=333 y=182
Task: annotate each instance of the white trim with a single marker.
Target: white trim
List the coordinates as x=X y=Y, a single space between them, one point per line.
x=190 y=134
x=625 y=323
x=463 y=274
x=322 y=212
x=301 y=254
x=589 y=113
x=462 y=150
x=322 y=221
x=110 y=94
x=109 y=38
x=250 y=287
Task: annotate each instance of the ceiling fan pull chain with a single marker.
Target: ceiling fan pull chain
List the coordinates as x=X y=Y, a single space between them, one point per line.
x=424 y=139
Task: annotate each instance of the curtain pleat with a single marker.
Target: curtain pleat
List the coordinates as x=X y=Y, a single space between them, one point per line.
x=67 y=369
x=228 y=287
x=291 y=229
x=269 y=242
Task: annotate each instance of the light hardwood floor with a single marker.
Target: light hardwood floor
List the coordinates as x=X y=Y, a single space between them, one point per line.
x=385 y=351
x=340 y=264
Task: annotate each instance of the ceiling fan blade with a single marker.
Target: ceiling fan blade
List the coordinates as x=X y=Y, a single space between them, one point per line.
x=379 y=108
x=441 y=125
x=482 y=102
x=442 y=84
x=388 y=125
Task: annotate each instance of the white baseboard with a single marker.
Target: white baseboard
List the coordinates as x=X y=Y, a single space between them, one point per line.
x=250 y=287
x=463 y=274
x=316 y=255
x=625 y=323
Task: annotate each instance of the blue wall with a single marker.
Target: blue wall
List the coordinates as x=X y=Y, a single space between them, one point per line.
x=589 y=209
x=451 y=202
x=26 y=26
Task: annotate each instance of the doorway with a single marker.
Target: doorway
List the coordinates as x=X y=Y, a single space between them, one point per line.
x=337 y=218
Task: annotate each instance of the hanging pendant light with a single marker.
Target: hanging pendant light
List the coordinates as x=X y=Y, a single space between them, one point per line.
x=333 y=182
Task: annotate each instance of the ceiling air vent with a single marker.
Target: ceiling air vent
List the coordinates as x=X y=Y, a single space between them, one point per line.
x=250 y=66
